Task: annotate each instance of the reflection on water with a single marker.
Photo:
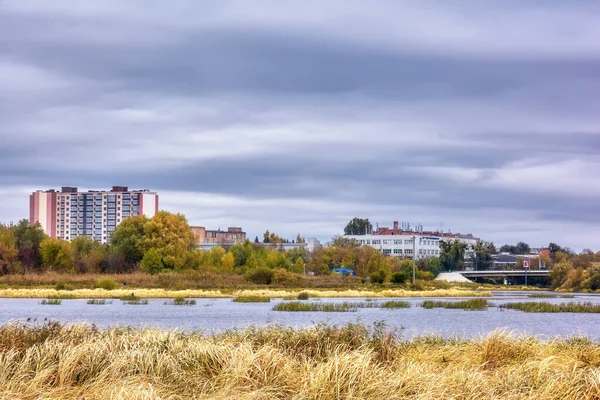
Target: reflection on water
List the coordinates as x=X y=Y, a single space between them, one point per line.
x=220 y=314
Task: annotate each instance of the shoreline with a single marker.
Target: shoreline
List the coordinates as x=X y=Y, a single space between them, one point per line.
x=199 y=294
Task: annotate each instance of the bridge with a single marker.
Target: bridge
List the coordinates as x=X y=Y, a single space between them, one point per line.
x=505 y=273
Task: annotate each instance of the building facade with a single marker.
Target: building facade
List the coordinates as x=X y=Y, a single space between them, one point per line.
x=233 y=235
x=406 y=244
x=68 y=213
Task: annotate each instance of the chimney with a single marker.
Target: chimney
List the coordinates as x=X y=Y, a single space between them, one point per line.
x=395 y=225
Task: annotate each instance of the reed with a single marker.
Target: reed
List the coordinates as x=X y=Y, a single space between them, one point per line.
x=322 y=362
x=51 y=302
x=136 y=302
x=542 y=307
x=542 y=296
x=472 y=304
x=251 y=299
x=180 y=301
x=324 y=307
x=99 y=302
x=395 y=304
x=197 y=293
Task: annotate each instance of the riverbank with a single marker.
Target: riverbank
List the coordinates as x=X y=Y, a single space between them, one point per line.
x=195 y=293
x=323 y=362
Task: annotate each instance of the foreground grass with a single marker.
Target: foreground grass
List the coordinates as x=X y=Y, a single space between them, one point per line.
x=323 y=362
x=196 y=293
x=540 y=307
x=473 y=304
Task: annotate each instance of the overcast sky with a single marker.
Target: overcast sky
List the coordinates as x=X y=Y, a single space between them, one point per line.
x=296 y=116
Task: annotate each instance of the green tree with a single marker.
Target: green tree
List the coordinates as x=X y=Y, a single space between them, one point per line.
x=87 y=255
x=481 y=258
x=358 y=226
x=560 y=273
x=452 y=255
x=152 y=261
x=57 y=255
x=128 y=238
x=28 y=240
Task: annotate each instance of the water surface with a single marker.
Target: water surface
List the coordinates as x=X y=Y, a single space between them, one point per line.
x=213 y=315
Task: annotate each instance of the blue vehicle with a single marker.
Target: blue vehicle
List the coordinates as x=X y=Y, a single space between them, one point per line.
x=344 y=271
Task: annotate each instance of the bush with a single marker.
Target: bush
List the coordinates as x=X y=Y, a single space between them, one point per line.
x=378 y=277
x=284 y=278
x=263 y=276
x=398 y=278
x=303 y=296
x=106 y=283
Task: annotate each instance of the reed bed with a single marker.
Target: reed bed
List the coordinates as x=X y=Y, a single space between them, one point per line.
x=195 y=293
x=541 y=307
x=99 y=302
x=310 y=306
x=395 y=304
x=251 y=299
x=472 y=304
x=322 y=362
x=51 y=302
x=180 y=301
x=542 y=296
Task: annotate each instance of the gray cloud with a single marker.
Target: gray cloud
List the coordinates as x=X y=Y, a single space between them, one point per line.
x=299 y=117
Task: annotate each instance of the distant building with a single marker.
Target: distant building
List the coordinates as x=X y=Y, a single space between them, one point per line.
x=94 y=214
x=312 y=243
x=233 y=235
x=411 y=244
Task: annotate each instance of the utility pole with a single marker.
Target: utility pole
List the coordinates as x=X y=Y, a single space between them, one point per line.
x=414 y=259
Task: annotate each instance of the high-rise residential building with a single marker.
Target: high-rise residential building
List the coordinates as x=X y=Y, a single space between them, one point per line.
x=233 y=235
x=95 y=214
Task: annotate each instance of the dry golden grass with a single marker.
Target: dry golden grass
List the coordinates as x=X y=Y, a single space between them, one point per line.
x=196 y=293
x=323 y=362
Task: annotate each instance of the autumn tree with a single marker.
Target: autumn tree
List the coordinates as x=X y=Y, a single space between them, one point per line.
x=9 y=254
x=57 y=255
x=171 y=236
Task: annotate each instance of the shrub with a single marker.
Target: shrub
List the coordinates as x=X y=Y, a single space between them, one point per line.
x=263 y=276
x=106 y=283
x=283 y=277
x=398 y=278
x=303 y=296
x=378 y=277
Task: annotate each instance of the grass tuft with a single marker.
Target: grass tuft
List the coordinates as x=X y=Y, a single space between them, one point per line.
x=473 y=304
x=541 y=307
x=395 y=304
x=303 y=296
x=99 y=302
x=324 y=307
x=180 y=301
x=136 y=302
x=251 y=299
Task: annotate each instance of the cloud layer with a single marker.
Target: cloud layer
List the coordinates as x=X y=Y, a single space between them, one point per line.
x=296 y=117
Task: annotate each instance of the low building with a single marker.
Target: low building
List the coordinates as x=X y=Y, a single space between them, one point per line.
x=312 y=243
x=408 y=244
x=233 y=235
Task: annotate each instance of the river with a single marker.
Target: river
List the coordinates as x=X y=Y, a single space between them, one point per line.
x=212 y=315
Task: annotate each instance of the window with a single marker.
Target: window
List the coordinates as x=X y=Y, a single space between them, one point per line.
x=376 y=241
x=397 y=251
x=387 y=251
x=397 y=241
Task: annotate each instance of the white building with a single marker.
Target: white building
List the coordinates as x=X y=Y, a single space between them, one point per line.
x=409 y=244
